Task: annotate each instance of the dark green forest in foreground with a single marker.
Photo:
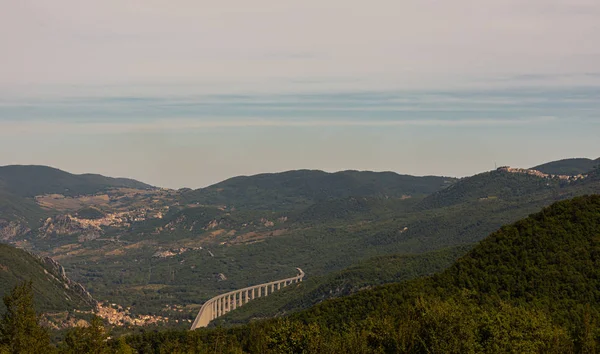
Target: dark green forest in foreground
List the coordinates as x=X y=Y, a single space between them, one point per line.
x=530 y=287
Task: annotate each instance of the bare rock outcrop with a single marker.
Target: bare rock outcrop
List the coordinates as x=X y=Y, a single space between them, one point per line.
x=66 y=225
x=12 y=229
x=58 y=271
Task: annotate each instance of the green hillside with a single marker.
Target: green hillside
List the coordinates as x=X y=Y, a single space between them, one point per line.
x=325 y=237
x=530 y=287
x=13 y=208
x=363 y=275
x=52 y=291
x=195 y=251
x=569 y=167
x=491 y=185
x=29 y=181
x=548 y=259
x=351 y=209
x=293 y=189
x=548 y=262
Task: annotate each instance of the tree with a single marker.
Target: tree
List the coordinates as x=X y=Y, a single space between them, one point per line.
x=20 y=331
x=122 y=347
x=90 y=339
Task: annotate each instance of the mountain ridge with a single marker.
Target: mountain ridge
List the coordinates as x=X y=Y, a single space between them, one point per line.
x=303 y=187
x=33 y=180
x=569 y=167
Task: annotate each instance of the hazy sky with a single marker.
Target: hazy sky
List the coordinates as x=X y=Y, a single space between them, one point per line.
x=187 y=93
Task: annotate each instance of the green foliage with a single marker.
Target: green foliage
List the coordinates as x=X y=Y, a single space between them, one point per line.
x=90 y=213
x=550 y=258
x=121 y=347
x=333 y=221
x=29 y=181
x=90 y=339
x=51 y=293
x=426 y=325
x=20 y=332
x=569 y=167
x=289 y=190
x=365 y=274
x=326 y=236
x=492 y=185
x=15 y=208
x=531 y=287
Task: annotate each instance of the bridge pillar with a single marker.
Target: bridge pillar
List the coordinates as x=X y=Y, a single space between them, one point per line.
x=221 y=305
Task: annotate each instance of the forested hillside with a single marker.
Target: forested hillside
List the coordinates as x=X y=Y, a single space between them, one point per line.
x=13 y=207
x=52 y=290
x=160 y=254
x=29 y=181
x=529 y=287
x=361 y=276
x=195 y=252
x=293 y=189
x=569 y=167
x=492 y=185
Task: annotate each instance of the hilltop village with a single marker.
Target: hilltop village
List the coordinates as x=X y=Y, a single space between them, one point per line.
x=540 y=174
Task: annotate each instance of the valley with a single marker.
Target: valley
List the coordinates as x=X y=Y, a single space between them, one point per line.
x=158 y=254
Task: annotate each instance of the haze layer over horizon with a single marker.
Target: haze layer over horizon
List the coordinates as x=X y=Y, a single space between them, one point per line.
x=188 y=95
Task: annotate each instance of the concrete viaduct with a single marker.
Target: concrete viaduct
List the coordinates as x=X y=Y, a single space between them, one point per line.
x=222 y=304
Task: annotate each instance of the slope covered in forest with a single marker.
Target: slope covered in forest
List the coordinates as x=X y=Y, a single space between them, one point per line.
x=31 y=180
x=533 y=286
x=53 y=290
x=299 y=188
x=364 y=275
x=569 y=167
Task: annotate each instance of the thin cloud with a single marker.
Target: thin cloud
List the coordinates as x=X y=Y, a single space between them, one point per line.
x=180 y=125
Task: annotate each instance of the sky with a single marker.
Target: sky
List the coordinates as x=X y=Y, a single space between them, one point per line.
x=187 y=93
